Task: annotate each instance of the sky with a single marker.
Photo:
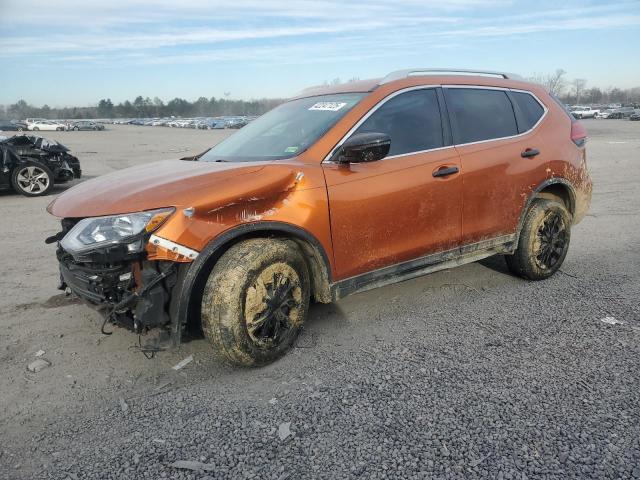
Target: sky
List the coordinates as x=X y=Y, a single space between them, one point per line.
x=75 y=52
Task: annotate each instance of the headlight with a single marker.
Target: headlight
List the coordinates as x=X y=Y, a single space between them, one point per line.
x=96 y=232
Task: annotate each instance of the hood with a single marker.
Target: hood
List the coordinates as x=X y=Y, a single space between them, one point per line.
x=162 y=184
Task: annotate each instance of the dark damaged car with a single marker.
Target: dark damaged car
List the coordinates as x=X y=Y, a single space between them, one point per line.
x=31 y=165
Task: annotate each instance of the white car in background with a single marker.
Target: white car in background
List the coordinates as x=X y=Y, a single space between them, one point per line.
x=46 y=125
x=585 y=112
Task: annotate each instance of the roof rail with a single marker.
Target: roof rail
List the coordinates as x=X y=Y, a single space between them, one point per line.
x=400 y=74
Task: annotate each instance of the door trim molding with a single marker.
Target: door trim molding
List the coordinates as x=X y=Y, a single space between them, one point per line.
x=423 y=265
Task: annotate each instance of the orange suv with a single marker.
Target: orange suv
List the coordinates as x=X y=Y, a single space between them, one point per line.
x=341 y=189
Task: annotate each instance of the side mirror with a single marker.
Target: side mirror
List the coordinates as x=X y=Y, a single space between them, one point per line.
x=364 y=147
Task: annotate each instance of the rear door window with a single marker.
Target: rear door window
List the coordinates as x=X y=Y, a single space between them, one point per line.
x=530 y=110
x=480 y=114
x=412 y=121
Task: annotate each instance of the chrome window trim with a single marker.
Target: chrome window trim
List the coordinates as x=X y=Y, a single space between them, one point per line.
x=426 y=87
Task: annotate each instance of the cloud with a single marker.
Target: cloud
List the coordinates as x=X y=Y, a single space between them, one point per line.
x=166 y=31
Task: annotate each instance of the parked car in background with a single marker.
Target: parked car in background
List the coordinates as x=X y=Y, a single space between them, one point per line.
x=635 y=116
x=237 y=124
x=584 y=112
x=12 y=126
x=211 y=124
x=32 y=164
x=86 y=125
x=33 y=120
x=46 y=125
x=622 y=112
x=238 y=240
x=605 y=113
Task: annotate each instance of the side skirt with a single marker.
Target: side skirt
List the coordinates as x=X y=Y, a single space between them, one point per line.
x=423 y=265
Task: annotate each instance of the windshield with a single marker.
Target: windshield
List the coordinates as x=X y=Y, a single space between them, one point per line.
x=285 y=131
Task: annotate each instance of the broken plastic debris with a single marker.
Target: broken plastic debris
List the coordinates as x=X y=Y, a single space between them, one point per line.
x=39 y=353
x=183 y=363
x=38 y=365
x=611 y=321
x=273 y=401
x=191 y=465
x=284 y=430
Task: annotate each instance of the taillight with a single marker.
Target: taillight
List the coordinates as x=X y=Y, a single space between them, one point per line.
x=578 y=134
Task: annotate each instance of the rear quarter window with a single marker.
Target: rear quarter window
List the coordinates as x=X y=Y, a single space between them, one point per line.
x=480 y=114
x=530 y=110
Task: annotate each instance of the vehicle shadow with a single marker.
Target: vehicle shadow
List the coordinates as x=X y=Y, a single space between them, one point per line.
x=496 y=263
x=57 y=189
x=323 y=320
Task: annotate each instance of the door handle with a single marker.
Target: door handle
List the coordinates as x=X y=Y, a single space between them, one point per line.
x=530 y=152
x=445 y=171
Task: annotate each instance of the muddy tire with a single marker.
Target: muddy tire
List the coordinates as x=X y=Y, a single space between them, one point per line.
x=256 y=300
x=544 y=241
x=32 y=179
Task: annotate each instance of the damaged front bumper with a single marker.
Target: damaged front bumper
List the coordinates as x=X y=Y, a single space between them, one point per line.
x=64 y=168
x=128 y=289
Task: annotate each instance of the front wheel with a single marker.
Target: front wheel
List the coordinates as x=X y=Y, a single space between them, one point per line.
x=256 y=300
x=544 y=241
x=32 y=179
x=36 y=129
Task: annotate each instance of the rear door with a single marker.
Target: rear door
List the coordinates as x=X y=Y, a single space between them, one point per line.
x=395 y=209
x=492 y=130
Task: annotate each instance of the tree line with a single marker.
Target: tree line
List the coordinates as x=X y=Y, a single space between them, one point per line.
x=573 y=91
x=144 y=107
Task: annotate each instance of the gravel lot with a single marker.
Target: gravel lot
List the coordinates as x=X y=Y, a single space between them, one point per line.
x=466 y=373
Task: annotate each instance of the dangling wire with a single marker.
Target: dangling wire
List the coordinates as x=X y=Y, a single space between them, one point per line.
x=106 y=319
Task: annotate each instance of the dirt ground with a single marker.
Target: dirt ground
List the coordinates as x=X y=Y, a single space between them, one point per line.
x=442 y=338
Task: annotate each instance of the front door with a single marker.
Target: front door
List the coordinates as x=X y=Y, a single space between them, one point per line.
x=402 y=207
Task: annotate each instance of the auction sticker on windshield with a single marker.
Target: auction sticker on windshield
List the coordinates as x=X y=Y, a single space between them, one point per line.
x=327 y=106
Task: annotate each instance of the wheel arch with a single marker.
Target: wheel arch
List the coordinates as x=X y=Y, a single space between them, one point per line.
x=190 y=294
x=556 y=188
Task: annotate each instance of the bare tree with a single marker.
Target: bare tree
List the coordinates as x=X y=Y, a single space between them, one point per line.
x=553 y=82
x=579 y=85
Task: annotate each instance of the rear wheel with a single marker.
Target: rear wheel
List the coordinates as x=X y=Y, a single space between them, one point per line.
x=32 y=179
x=544 y=241
x=36 y=128
x=256 y=300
